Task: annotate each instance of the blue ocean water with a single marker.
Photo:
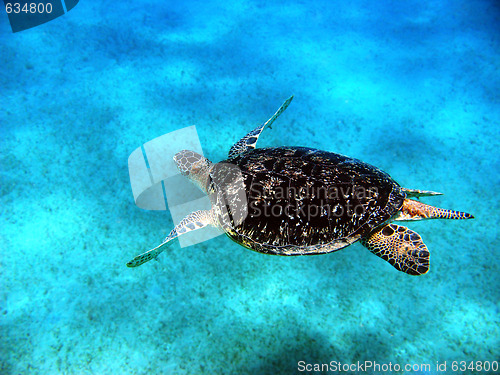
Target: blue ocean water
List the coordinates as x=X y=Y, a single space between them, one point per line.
x=409 y=86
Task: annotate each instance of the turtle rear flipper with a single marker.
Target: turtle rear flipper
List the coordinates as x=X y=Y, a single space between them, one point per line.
x=414 y=210
x=249 y=141
x=401 y=247
x=193 y=221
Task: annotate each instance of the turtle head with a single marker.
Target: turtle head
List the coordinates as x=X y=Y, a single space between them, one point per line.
x=194 y=166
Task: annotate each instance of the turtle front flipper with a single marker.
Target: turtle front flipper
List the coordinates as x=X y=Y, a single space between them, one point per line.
x=193 y=221
x=249 y=141
x=401 y=247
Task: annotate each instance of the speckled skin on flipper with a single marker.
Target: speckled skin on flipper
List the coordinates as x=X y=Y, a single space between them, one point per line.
x=401 y=247
x=193 y=221
x=249 y=141
x=303 y=201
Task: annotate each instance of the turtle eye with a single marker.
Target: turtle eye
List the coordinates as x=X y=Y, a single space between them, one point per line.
x=210 y=184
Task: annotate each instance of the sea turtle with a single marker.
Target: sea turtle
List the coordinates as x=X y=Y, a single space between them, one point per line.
x=303 y=201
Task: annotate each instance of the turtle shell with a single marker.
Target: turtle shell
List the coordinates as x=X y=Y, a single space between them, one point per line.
x=305 y=201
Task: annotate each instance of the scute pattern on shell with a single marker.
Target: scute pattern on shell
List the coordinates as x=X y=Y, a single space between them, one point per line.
x=329 y=212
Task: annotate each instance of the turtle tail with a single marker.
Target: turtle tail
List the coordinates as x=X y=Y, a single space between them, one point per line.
x=414 y=210
x=415 y=193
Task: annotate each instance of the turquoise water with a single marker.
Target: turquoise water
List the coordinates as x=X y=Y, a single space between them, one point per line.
x=411 y=87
